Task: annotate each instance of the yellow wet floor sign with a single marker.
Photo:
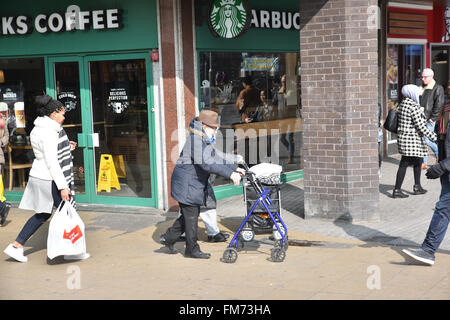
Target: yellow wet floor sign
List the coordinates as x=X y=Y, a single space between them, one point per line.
x=107 y=176
x=2 y=190
x=119 y=164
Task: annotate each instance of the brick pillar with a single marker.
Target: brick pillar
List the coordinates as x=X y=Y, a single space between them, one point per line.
x=177 y=58
x=188 y=59
x=167 y=26
x=340 y=109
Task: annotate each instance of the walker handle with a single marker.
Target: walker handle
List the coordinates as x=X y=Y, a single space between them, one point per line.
x=244 y=164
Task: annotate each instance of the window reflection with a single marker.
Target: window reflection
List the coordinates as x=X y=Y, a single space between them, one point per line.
x=257 y=96
x=404 y=66
x=120 y=116
x=21 y=80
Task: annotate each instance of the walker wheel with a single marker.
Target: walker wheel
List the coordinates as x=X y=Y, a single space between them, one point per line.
x=230 y=255
x=278 y=254
x=279 y=244
x=247 y=235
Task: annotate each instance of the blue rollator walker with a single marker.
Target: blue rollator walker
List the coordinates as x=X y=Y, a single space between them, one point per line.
x=270 y=207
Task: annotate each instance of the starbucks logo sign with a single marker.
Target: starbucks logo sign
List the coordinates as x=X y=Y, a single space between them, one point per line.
x=229 y=18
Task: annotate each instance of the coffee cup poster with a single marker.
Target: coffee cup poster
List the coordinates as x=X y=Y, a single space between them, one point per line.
x=12 y=107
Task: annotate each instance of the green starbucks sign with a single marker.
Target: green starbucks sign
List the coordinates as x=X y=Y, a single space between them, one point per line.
x=229 y=18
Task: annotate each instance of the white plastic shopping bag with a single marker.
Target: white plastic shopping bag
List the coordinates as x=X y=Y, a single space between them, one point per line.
x=66 y=232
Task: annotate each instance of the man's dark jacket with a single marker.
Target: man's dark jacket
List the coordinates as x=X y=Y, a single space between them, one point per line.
x=432 y=100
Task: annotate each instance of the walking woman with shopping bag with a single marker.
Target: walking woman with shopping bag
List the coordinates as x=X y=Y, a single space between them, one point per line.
x=51 y=178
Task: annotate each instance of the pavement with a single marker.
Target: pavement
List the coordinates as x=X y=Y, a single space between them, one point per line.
x=326 y=260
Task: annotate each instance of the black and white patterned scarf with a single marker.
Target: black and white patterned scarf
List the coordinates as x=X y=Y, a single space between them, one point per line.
x=65 y=161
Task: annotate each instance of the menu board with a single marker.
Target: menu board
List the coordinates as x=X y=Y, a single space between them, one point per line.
x=12 y=107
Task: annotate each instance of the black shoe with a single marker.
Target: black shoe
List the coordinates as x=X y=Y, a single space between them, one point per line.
x=170 y=246
x=417 y=189
x=420 y=255
x=220 y=237
x=181 y=239
x=197 y=255
x=4 y=213
x=399 y=194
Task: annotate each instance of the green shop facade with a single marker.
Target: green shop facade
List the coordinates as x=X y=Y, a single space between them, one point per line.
x=257 y=41
x=107 y=62
x=93 y=57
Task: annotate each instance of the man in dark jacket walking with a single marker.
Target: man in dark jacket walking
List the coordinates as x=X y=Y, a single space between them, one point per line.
x=432 y=100
x=439 y=221
x=189 y=184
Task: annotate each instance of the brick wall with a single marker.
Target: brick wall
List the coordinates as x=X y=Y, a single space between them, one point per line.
x=339 y=81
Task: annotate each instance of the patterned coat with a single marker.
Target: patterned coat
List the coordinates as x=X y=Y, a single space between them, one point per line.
x=411 y=129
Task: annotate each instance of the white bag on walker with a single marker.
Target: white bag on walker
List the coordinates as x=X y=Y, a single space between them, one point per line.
x=66 y=232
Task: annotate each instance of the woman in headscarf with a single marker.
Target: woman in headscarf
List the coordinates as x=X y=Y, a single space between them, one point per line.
x=411 y=145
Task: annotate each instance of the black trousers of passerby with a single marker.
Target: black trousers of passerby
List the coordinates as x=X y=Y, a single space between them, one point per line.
x=187 y=223
x=36 y=221
x=405 y=162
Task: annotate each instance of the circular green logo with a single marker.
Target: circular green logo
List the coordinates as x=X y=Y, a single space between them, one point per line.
x=229 y=18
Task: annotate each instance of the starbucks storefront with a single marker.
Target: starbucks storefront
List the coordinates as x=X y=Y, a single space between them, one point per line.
x=257 y=42
x=93 y=57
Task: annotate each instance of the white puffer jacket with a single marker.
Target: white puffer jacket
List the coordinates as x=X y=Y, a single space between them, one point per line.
x=44 y=140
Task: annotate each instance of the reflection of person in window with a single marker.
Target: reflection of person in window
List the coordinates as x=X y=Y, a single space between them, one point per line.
x=282 y=101
x=446 y=36
x=266 y=112
x=248 y=100
x=266 y=109
x=287 y=134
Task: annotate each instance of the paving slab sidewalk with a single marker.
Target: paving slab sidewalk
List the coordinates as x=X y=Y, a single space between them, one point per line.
x=337 y=260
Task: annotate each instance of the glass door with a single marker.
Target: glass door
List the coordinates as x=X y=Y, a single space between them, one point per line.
x=65 y=84
x=109 y=113
x=122 y=127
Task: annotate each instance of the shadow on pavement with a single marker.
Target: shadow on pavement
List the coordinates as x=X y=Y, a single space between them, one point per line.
x=295 y=202
x=162 y=226
x=391 y=160
x=386 y=189
x=38 y=241
x=372 y=237
x=375 y=238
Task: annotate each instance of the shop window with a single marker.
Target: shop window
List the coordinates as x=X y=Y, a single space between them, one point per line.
x=21 y=80
x=404 y=66
x=264 y=122
x=440 y=66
